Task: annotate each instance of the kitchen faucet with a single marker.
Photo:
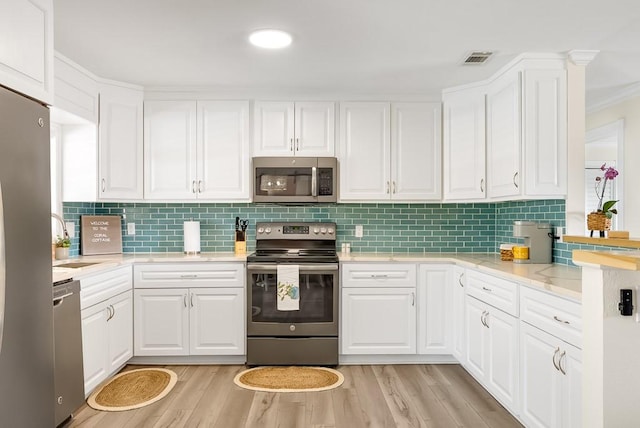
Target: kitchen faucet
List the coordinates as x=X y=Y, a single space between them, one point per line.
x=64 y=226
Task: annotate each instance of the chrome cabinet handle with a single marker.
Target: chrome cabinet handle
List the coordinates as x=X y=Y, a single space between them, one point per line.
x=555 y=354
x=111 y=311
x=103 y=185
x=413 y=298
x=488 y=290
x=200 y=186
x=482 y=185
x=193 y=186
x=564 y=354
x=297 y=144
x=291 y=145
x=192 y=300
x=486 y=319
x=387 y=187
x=460 y=280
x=184 y=300
x=394 y=186
x=482 y=318
x=555 y=317
x=514 y=179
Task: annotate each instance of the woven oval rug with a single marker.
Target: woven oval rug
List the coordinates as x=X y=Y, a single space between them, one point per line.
x=289 y=379
x=133 y=389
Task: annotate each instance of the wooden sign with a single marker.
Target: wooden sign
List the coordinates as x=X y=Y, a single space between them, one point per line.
x=101 y=234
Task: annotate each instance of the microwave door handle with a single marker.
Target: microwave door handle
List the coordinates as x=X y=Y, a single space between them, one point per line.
x=3 y=278
x=314 y=181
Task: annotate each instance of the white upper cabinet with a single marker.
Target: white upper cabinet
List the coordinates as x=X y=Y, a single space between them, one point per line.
x=504 y=140
x=365 y=151
x=294 y=128
x=26 y=47
x=416 y=151
x=120 y=142
x=196 y=150
x=390 y=151
x=223 y=150
x=464 y=144
x=76 y=89
x=170 y=149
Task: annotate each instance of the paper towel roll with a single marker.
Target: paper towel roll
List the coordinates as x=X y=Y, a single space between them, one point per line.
x=191 y=237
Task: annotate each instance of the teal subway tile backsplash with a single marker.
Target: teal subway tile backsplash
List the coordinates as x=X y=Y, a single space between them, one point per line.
x=397 y=228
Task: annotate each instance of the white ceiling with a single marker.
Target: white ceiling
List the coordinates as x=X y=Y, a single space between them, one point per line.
x=356 y=48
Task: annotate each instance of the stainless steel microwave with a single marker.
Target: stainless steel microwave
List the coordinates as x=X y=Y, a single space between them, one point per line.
x=293 y=180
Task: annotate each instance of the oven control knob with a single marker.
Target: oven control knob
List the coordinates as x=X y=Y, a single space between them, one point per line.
x=316 y=230
x=323 y=230
x=330 y=230
x=267 y=230
x=260 y=229
x=292 y=327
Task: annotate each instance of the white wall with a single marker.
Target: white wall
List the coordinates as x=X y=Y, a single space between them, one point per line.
x=629 y=110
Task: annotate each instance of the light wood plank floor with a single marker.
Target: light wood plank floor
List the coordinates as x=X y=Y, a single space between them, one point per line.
x=371 y=396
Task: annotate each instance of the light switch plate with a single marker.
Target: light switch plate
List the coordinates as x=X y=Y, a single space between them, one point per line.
x=131 y=228
x=359 y=231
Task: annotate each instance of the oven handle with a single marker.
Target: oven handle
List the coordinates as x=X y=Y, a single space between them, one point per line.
x=303 y=268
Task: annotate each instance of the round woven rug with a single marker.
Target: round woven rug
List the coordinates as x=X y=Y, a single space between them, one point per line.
x=289 y=379
x=133 y=389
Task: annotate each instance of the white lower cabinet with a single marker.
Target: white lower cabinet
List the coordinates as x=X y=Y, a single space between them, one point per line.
x=378 y=321
x=492 y=350
x=107 y=338
x=458 y=297
x=183 y=321
x=435 y=294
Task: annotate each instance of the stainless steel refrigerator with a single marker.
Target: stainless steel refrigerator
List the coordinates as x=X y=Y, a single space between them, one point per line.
x=26 y=312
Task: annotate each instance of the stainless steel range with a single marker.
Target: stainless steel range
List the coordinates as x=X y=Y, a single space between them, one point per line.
x=296 y=324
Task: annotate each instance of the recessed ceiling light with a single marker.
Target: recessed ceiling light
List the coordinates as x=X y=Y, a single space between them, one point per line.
x=270 y=39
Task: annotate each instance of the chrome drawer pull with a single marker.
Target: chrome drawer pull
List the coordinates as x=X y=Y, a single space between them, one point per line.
x=381 y=276
x=559 y=320
x=188 y=276
x=487 y=289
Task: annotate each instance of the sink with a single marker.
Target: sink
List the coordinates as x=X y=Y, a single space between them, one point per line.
x=75 y=265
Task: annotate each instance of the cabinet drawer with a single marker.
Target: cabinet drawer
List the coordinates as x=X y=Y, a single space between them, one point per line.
x=497 y=292
x=97 y=288
x=376 y=275
x=178 y=275
x=555 y=315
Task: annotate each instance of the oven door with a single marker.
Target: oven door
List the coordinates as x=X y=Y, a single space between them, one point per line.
x=318 y=313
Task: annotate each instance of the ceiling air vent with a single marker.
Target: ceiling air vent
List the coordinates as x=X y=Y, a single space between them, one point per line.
x=477 y=58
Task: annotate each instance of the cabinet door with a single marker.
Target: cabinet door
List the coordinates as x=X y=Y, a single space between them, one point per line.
x=476 y=345
x=120 y=143
x=540 y=378
x=314 y=128
x=170 y=150
x=95 y=345
x=464 y=145
x=502 y=380
x=26 y=56
x=217 y=321
x=364 y=151
x=458 y=316
x=120 y=326
x=504 y=139
x=571 y=395
x=161 y=324
x=545 y=132
x=434 y=309
x=273 y=129
x=223 y=150
x=76 y=91
x=416 y=151
x=365 y=331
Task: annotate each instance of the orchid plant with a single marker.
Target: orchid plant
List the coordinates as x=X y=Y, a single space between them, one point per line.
x=605 y=208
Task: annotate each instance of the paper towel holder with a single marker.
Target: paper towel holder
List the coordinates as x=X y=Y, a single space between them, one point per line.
x=191 y=237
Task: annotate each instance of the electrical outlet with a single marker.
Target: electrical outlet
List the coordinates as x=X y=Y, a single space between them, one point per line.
x=359 y=231
x=131 y=228
x=71 y=228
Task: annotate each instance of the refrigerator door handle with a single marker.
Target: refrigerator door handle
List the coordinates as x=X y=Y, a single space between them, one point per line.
x=3 y=278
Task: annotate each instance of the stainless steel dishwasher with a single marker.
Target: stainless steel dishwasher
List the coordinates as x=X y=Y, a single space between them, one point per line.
x=67 y=339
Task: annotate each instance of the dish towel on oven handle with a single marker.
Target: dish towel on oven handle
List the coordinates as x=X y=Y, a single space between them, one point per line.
x=288 y=279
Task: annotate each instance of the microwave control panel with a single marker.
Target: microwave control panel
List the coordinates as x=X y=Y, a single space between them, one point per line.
x=325 y=182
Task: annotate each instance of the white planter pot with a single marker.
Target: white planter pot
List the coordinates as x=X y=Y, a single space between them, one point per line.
x=62 y=253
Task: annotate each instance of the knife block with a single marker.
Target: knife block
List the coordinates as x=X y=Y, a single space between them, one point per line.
x=240 y=246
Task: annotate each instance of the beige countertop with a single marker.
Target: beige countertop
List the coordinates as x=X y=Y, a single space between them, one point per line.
x=559 y=279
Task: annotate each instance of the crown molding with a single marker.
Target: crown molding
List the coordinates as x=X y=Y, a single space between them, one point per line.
x=582 y=57
x=617 y=97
